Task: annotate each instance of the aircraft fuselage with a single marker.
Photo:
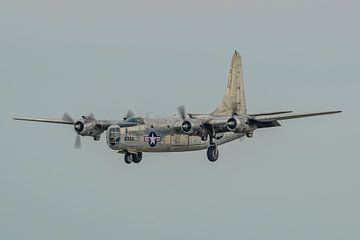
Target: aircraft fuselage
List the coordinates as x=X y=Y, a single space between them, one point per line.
x=160 y=135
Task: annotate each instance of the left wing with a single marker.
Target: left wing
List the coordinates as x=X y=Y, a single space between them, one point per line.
x=245 y=122
x=204 y=116
x=286 y=116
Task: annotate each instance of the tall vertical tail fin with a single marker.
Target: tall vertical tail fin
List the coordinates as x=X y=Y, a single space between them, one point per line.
x=234 y=99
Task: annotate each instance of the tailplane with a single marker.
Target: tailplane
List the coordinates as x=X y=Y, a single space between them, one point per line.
x=234 y=99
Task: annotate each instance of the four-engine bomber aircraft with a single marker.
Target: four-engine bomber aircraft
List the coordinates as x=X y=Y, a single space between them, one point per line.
x=134 y=135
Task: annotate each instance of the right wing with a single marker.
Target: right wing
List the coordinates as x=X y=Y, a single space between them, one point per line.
x=44 y=120
x=103 y=124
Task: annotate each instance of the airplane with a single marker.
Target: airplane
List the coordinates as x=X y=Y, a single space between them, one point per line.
x=135 y=135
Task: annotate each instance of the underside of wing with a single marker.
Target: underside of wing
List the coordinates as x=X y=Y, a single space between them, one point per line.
x=269 y=113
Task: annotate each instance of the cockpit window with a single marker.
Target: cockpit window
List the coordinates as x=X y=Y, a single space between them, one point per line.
x=138 y=120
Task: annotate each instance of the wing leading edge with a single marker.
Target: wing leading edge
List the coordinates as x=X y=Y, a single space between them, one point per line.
x=44 y=120
x=104 y=124
x=286 y=116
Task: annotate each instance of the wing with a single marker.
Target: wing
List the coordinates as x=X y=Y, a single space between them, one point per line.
x=44 y=120
x=107 y=123
x=103 y=124
x=260 y=120
x=86 y=126
x=208 y=116
x=286 y=116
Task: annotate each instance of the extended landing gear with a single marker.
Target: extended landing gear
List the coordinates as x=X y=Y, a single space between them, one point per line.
x=137 y=157
x=213 y=153
x=128 y=158
x=133 y=157
x=250 y=134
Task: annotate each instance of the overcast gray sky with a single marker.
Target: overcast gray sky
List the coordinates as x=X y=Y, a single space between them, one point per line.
x=300 y=181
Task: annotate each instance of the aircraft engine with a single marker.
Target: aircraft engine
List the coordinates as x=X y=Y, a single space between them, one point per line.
x=191 y=127
x=87 y=127
x=238 y=124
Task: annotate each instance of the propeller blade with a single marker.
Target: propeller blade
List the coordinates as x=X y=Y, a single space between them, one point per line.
x=77 y=142
x=129 y=114
x=182 y=112
x=67 y=117
x=91 y=116
x=234 y=108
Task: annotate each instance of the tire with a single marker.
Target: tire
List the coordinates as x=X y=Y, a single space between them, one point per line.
x=212 y=153
x=137 y=157
x=128 y=158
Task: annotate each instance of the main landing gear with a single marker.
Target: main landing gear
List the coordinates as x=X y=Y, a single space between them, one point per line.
x=212 y=153
x=133 y=157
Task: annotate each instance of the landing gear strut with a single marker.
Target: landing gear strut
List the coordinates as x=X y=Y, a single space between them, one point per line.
x=212 y=153
x=133 y=157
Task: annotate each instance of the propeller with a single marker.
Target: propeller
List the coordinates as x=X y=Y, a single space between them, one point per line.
x=67 y=117
x=234 y=108
x=129 y=114
x=182 y=112
x=78 y=126
x=77 y=144
x=91 y=116
x=186 y=125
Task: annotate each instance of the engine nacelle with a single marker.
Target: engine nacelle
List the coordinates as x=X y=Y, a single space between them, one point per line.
x=86 y=127
x=191 y=127
x=238 y=124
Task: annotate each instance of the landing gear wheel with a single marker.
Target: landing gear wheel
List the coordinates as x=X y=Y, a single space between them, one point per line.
x=128 y=158
x=249 y=134
x=137 y=157
x=212 y=153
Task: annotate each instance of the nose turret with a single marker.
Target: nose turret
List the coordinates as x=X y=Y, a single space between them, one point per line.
x=113 y=137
